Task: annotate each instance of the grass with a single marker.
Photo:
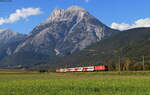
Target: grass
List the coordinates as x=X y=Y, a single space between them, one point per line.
x=109 y=83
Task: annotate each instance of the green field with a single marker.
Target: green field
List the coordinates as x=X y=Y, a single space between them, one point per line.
x=109 y=83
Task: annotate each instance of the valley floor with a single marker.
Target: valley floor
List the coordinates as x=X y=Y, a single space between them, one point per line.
x=93 y=83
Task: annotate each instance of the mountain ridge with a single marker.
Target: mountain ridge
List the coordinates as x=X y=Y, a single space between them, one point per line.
x=9 y=41
x=63 y=33
x=73 y=22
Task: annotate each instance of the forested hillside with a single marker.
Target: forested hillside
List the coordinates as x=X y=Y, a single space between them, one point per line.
x=127 y=48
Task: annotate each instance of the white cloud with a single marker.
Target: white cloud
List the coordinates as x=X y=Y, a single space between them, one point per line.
x=120 y=26
x=20 y=14
x=138 y=23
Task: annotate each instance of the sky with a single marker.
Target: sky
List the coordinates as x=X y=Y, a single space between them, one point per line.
x=23 y=15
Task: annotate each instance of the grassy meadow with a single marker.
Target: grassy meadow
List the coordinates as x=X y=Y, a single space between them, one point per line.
x=93 y=83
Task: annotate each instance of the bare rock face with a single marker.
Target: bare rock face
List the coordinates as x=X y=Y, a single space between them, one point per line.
x=57 y=13
x=65 y=32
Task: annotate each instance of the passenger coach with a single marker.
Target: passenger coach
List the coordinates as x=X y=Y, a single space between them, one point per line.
x=84 y=69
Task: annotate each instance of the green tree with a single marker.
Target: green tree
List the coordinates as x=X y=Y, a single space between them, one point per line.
x=127 y=64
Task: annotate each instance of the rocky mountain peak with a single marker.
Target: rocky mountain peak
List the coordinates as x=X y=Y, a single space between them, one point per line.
x=75 y=8
x=69 y=13
x=65 y=32
x=72 y=14
x=5 y=31
x=56 y=14
x=6 y=36
x=2 y=30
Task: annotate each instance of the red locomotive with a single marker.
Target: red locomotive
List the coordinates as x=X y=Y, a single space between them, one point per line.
x=84 y=69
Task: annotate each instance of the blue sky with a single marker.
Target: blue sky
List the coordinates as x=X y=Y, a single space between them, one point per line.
x=123 y=14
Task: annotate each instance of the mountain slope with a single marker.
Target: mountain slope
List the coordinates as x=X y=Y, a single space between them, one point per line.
x=132 y=44
x=9 y=41
x=63 y=33
x=69 y=30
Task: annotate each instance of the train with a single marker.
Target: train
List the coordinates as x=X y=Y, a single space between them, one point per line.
x=84 y=69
